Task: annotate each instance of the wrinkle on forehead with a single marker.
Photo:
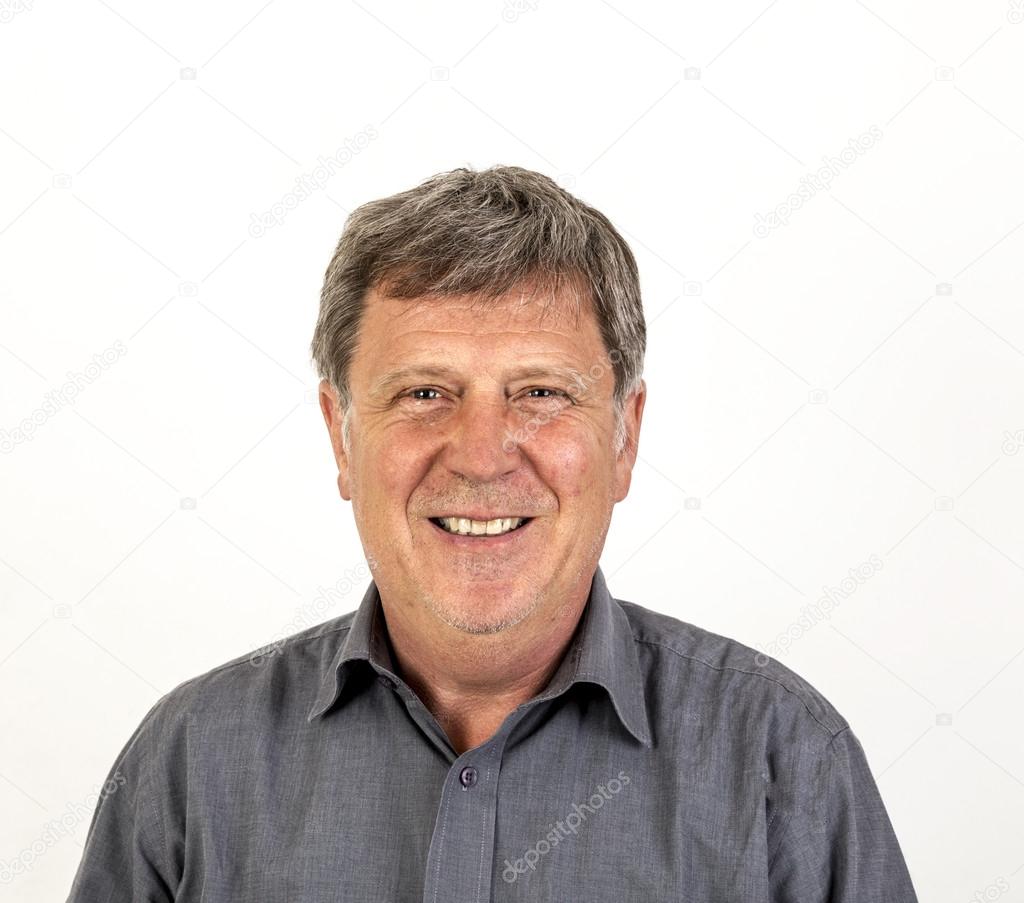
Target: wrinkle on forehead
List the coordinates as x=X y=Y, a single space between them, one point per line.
x=531 y=295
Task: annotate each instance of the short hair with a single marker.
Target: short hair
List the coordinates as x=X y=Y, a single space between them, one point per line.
x=482 y=233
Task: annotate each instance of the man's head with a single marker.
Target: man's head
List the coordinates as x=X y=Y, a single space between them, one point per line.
x=480 y=344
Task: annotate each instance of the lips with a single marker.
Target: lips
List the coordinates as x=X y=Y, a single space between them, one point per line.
x=481 y=540
x=475 y=515
x=510 y=524
x=466 y=526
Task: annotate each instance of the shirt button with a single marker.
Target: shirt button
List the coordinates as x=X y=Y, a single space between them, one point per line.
x=386 y=682
x=468 y=776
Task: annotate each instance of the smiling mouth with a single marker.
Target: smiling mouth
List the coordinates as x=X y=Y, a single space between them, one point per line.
x=462 y=526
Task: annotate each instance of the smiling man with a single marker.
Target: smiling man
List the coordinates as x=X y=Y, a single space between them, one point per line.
x=484 y=548
x=490 y=724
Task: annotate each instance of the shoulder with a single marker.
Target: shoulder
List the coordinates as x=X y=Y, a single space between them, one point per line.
x=286 y=671
x=197 y=730
x=709 y=669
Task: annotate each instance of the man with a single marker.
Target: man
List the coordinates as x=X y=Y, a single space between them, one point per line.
x=490 y=724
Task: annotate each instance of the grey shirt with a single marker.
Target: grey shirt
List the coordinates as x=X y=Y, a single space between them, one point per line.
x=661 y=762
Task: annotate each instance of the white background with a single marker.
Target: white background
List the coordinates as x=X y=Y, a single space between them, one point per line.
x=849 y=385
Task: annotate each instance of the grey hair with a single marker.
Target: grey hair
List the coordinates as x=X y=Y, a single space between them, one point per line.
x=482 y=233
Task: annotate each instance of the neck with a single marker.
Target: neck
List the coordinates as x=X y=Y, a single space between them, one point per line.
x=472 y=682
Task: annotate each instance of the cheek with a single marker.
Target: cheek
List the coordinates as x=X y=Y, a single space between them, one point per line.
x=390 y=469
x=568 y=464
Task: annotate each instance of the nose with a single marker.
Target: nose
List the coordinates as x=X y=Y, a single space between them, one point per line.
x=481 y=443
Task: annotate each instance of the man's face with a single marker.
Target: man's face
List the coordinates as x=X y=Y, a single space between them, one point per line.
x=486 y=421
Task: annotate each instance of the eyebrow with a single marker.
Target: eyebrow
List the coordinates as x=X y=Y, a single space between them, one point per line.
x=384 y=382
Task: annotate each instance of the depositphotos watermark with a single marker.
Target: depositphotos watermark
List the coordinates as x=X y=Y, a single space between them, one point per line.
x=513 y=9
x=992 y=892
x=581 y=382
x=821 y=610
x=563 y=828
x=311 y=614
x=57 y=830
x=1012 y=442
x=59 y=399
x=10 y=8
x=307 y=183
x=812 y=183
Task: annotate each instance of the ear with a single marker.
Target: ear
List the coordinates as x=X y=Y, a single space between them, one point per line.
x=632 y=415
x=330 y=407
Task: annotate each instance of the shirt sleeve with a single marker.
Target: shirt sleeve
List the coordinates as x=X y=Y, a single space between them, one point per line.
x=125 y=856
x=838 y=845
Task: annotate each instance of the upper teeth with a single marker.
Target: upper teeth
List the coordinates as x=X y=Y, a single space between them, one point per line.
x=480 y=527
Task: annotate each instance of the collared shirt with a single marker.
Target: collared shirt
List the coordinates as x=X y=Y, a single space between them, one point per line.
x=661 y=762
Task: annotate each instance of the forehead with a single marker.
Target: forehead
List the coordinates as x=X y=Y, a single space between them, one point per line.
x=398 y=327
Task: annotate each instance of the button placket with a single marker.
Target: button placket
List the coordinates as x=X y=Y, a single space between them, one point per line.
x=459 y=861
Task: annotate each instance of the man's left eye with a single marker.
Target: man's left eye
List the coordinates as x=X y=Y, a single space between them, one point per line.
x=558 y=397
x=422 y=389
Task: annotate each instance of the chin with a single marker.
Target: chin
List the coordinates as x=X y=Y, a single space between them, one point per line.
x=469 y=615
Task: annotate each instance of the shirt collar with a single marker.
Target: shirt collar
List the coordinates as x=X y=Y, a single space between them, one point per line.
x=603 y=651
